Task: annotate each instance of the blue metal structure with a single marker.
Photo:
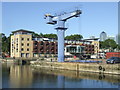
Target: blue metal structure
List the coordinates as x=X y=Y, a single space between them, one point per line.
x=59 y=21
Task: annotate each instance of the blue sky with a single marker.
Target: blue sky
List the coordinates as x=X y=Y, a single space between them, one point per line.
x=95 y=18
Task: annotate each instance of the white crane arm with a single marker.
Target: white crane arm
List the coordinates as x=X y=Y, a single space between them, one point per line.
x=67 y=16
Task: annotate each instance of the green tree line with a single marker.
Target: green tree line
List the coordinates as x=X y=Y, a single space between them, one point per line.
x=109 y=43
x=70 y=37
x=5 y=43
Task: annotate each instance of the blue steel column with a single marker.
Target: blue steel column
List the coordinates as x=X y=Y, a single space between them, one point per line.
x=60 y=34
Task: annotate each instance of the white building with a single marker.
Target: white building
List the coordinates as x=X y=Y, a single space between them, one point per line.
x=118 y=39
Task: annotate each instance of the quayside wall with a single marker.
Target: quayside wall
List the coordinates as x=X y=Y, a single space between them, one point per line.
x=86 y=67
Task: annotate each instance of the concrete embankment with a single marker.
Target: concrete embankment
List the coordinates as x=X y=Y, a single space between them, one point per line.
x=87 y=67
x=79 y=75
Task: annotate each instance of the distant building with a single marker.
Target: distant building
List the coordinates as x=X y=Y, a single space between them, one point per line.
x=92 y=37
x=111 y=37
x=2 y=35
x=118 y=39
x=103 y=36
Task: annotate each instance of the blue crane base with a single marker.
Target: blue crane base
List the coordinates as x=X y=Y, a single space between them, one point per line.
x=60 y=34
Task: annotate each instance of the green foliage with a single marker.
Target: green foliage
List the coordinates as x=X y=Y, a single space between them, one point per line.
x=109 y=43
x=44 y=35
x=74 y=37
x=35 y=34
x=6 y=44
x=118 y=46
x=71 y=37
x=41 y=35
x=50 y=36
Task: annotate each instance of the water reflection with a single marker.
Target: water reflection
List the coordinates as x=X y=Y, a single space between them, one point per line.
x=20 y=76
x=61 y=81
x=42 y=80
x=16 y=76
x=73 y=79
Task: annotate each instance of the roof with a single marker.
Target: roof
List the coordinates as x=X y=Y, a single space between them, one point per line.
x=78 y=40
x=103 y=32
x=22 y=30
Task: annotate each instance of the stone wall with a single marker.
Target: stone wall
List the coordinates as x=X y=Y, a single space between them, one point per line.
x=88 y=67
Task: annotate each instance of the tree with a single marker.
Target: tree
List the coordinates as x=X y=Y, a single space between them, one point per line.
x=41 y=35
x=102 y=45
x=107 y=44
x=74 y=37
x=50 y=36
x=45 y=35
x=6 y=44
x=35 y=34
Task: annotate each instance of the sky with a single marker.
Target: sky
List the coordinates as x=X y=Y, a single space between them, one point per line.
x=95 y=18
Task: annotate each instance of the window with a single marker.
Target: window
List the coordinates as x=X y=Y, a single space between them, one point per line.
x=22 y=39
x=12 y=45
x=27 y=49
x=41 y=43
x=27 y=44
x=22 y=54
x=17 y=39
x=22 y=49
x=27 y=39
x=22 y=44
x=27 y=54
x=67 y=49
x=17 y=45
x=34 y=55
x=35 y=43
x=16 y=50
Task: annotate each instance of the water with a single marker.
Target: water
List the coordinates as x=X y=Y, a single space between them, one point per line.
x=17 y=76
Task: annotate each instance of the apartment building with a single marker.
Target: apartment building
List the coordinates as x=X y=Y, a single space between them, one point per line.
x=24 y=45
x=79 y=46
x=95 y=43
x=96 y=46
x=44 y=47
x=21 y=44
